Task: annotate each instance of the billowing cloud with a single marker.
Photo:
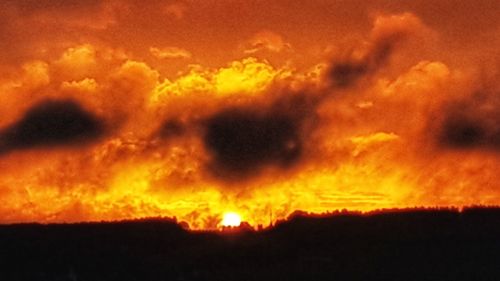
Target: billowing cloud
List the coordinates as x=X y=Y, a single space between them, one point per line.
x=101 y=123
x=387 y=33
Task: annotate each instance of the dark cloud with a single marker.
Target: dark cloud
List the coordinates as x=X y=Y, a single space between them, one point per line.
x=52 y=123
x=242 y=141
x=346 y=73
x=462 y=133
x=386 y=35
x=471 y=124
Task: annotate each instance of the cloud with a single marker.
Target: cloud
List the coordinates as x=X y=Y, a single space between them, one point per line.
x=386 y=121
x=266 y=41
x=365 y=143
x=472 y=123
x=242 y=135
x=51 y=123
x=129 y=87
x=77 y=63
x=247 y=76
x=388 y=32
x=170 y=53
x=85 y=86
x=242 y=141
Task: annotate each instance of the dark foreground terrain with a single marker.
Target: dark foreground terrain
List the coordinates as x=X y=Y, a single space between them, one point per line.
x=394 y=245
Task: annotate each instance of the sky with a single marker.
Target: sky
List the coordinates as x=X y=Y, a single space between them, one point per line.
x=191 y=109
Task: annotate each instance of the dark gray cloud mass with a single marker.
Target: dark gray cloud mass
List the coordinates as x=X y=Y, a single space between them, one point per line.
x=242 y=140
x=473 y=123
x=347 y=72
x=51 y=123
x=459 y=132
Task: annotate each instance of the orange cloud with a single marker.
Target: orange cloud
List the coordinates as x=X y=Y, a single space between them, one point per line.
x=170 y=53
x=266 y=40
x=401 y=114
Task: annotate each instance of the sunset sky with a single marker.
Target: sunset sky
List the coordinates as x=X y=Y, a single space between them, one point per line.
x=192 y=109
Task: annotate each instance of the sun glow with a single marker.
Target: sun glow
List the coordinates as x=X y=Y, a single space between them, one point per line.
x=231 y=219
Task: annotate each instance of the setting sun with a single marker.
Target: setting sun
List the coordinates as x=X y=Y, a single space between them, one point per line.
x=231 y=220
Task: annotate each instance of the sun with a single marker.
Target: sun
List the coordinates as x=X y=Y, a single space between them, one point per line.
x=231 y=219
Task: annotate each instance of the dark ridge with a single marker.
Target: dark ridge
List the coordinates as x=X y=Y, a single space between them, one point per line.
x=242 y=141
x=52 y=123
x=409 y=245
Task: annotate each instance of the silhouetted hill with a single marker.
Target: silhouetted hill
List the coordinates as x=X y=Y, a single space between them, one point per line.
x=387 y=245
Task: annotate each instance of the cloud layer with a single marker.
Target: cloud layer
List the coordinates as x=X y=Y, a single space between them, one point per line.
x=132 y=117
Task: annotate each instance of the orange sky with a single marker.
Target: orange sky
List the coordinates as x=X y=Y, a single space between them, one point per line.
x=196 y=108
